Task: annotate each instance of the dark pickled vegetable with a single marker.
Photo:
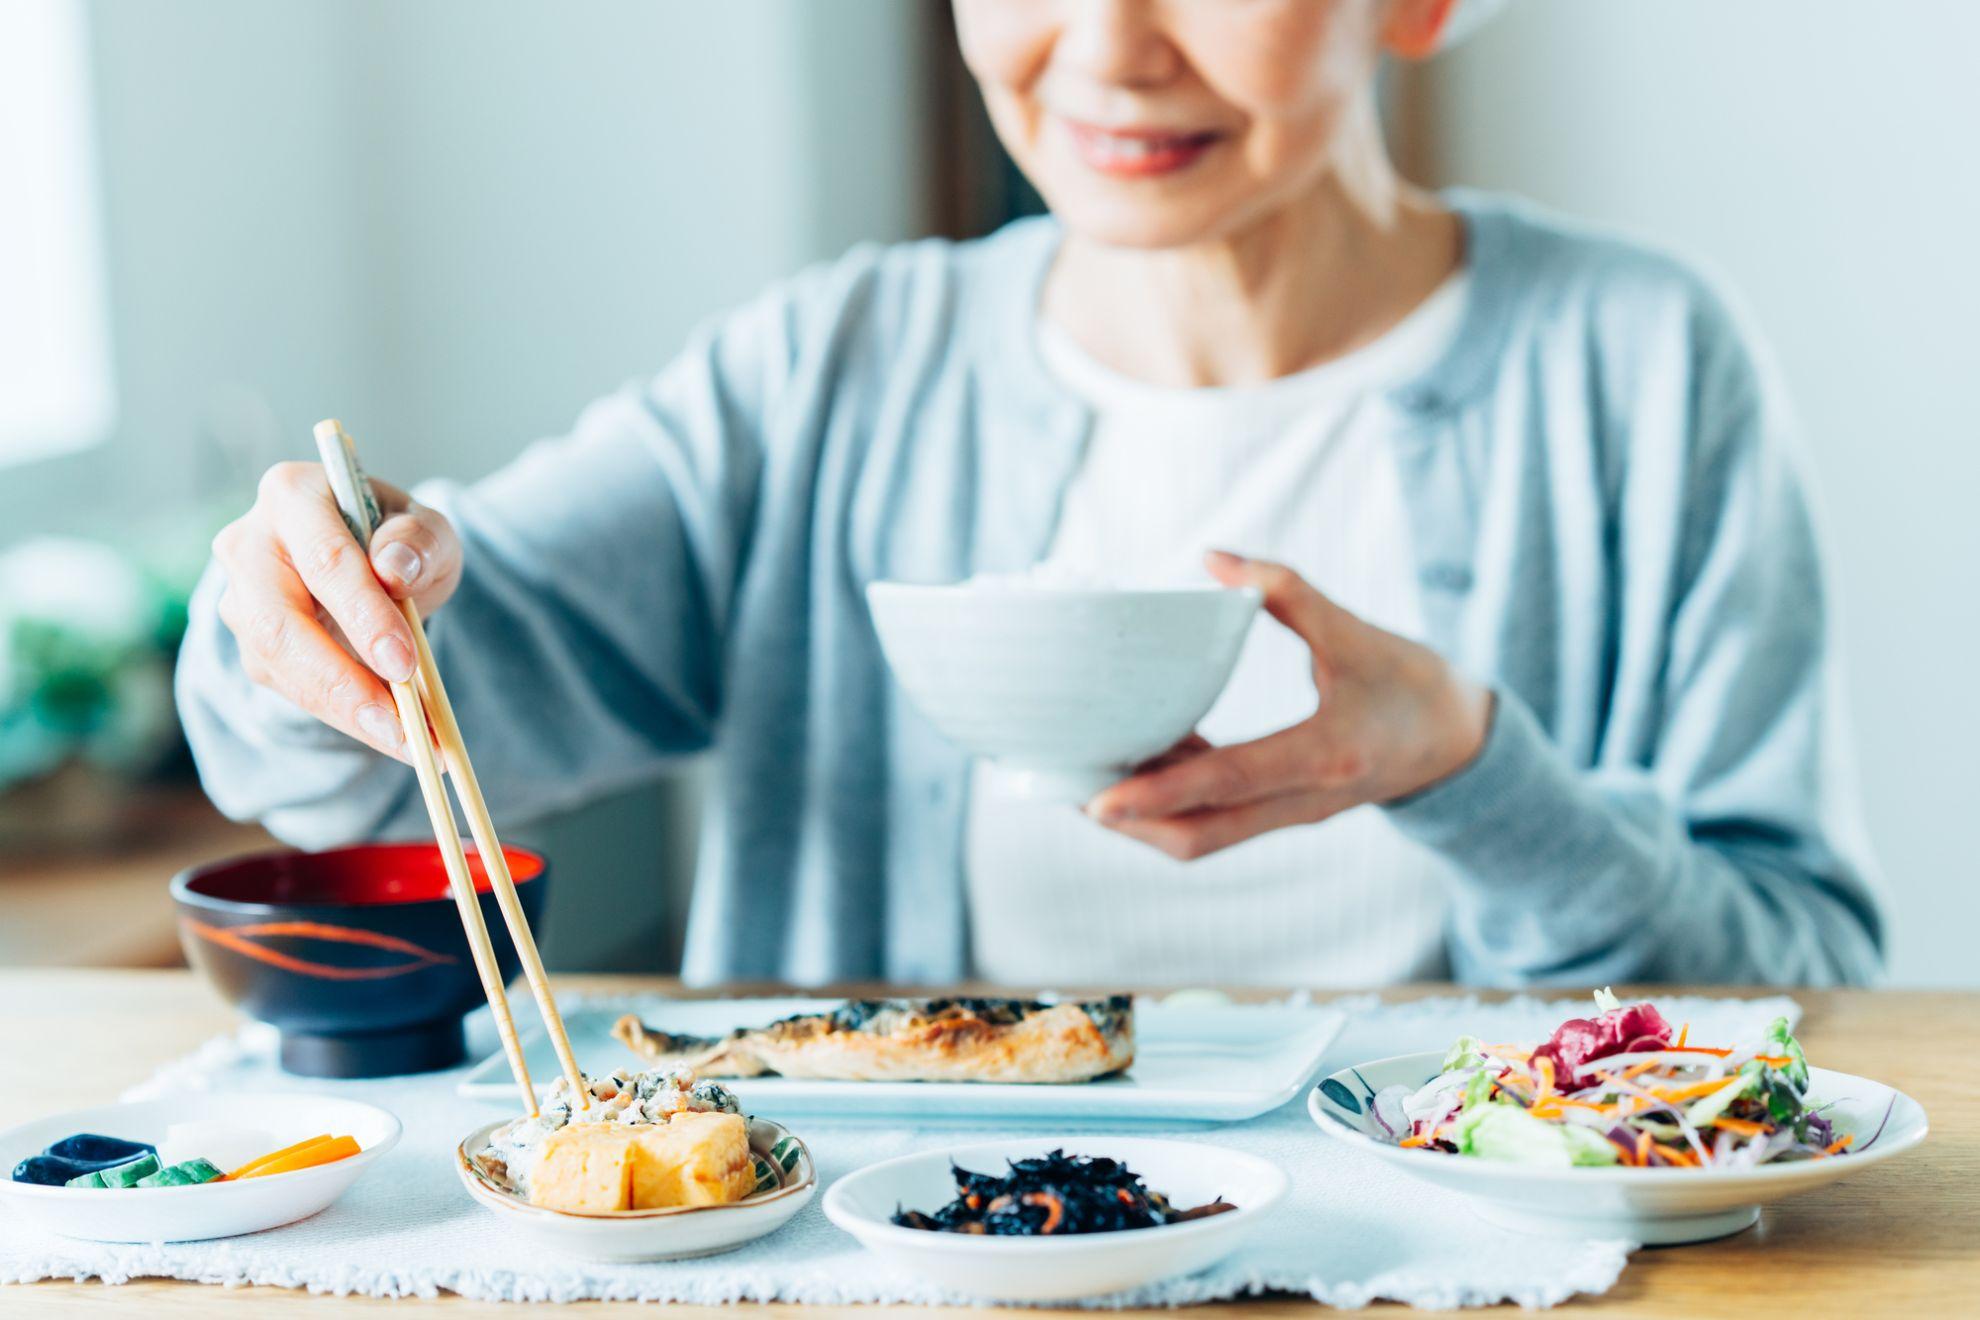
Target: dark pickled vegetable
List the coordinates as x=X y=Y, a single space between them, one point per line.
x=47 y=1171
x=1053 y=1195
x=99 y=1152
x=77 y=1156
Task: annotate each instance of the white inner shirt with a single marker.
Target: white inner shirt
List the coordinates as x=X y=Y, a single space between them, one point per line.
x=1298 y=470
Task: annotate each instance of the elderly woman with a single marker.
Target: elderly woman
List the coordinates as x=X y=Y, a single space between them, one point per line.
x=1547 y=693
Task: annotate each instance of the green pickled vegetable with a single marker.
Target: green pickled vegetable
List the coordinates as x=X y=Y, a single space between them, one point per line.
x=189 y=1174
x=200 y=1171
x=127 y=1175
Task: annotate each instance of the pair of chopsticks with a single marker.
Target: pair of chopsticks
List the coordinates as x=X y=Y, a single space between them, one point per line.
x=421 y=700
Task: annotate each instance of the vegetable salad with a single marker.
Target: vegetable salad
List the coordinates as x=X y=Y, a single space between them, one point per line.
x=1620 y=1088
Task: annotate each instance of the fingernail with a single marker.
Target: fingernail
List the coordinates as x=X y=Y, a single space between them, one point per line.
x=1226 y=558
x=1106 y=813
x=380 y=725
x=393 y=659
x=401 y=561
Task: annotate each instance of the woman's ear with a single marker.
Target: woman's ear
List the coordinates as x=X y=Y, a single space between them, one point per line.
x=1414 y=27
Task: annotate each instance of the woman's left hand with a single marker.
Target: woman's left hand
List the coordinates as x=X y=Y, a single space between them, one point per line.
x=1394 y=718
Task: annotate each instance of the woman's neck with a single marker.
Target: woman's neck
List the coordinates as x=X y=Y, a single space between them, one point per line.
x=1331 y=271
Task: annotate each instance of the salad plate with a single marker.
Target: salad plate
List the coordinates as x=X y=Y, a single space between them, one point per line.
x=1202 y=1063
x=1617 y=1127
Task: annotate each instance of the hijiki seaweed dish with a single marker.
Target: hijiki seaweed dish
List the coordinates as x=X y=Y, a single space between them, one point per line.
x=1053 y=1195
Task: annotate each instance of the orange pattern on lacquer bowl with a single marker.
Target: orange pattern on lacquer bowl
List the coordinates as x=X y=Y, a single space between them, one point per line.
x=247 y=940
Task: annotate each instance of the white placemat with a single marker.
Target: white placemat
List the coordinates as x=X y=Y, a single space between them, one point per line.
x=1353 y=1230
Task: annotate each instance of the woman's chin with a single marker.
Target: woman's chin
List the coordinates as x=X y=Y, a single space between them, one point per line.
x=1146 y=223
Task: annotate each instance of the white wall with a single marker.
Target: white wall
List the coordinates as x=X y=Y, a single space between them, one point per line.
x=1819 y=160
x=453 y=224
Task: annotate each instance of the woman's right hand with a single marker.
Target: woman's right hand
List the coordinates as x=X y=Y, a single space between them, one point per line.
x=302 y=601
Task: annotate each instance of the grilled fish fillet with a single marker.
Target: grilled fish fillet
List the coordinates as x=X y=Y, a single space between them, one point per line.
x=911 y=1040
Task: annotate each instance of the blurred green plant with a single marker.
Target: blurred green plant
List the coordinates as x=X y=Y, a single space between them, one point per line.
x=88 y=633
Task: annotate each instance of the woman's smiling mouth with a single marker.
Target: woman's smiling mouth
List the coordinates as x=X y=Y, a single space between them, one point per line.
x=1139 y=152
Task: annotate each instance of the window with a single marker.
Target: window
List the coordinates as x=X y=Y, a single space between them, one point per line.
x=55 y=386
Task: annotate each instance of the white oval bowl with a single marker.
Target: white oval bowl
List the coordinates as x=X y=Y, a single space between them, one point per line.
x=631 y=1236
x=1652 y=1206
x=212 y=1210
x=1050 y=1269
x=1066 y=690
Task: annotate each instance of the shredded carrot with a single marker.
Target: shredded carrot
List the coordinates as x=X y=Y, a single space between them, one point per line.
x=1741 y=1126
x=1682 y=1158
x=1414 y=1140
x=1839 y=1145
x=1055 y=1209
x=1773 y=1060
x=1643 y=1148
x=1696 y=1049
x=1684 y=1034
x=1638 y=1069
x=1546 y=1067
x=1691 y=1092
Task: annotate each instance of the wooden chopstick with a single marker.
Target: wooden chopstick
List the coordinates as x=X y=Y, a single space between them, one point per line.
x=419 y=743
x=426 y=696
x=468 y=788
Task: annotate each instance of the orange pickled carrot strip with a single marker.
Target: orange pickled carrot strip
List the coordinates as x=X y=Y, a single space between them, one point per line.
x=1740 y=1126
x=1643 y=1148
x=322 y=1152
x=1773 y=1060
x=1638 y=1069
x=1684 y=1034
x=1696 y=1049
x=1546 y=1067
x=257 y=1162
x=1839 y=1145
x=1413 y=1141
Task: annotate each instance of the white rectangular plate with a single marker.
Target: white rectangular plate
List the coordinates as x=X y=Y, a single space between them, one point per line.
x=1209 y=1064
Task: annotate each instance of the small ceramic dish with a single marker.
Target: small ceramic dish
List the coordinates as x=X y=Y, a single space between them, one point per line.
x=1651 y=1206
x=676 y=1233
x=1051 y=1269
x=209 y=1210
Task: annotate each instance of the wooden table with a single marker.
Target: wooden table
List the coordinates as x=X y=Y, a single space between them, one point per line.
x=1901 y=1239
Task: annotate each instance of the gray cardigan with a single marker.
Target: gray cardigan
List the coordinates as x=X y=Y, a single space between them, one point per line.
x=1609 y=529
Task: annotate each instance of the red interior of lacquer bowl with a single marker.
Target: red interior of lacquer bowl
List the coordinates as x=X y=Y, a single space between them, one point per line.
x=361 y=876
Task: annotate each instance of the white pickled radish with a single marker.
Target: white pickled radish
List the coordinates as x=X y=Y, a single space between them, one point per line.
x=226 y=1145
